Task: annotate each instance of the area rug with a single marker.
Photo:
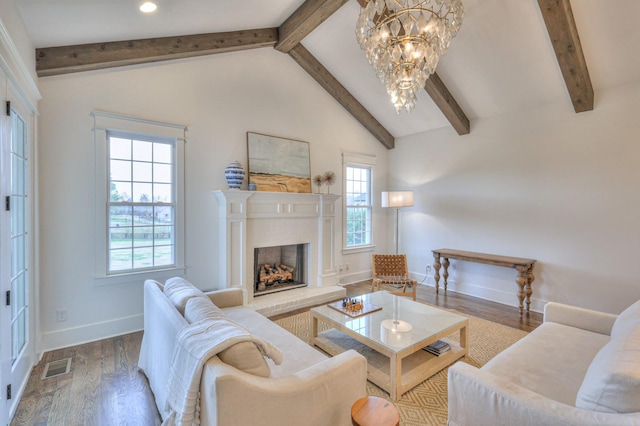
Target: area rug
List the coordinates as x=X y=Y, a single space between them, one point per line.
x=426 y=404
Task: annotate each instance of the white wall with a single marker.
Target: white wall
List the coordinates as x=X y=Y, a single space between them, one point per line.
x=219 y=98
x=548 y=184
x=17 y=53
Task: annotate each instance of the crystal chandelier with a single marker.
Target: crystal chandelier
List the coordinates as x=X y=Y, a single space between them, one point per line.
x=403 y=41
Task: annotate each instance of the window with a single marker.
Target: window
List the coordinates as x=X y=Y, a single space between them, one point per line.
x=141 y=202
x=358 y=172
x=139 y=197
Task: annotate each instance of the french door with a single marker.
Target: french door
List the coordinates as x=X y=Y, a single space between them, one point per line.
x=16 y=325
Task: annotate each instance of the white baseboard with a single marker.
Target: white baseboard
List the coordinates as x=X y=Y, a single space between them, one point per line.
x=90 y=333
x=487 y=293
x=353 y=278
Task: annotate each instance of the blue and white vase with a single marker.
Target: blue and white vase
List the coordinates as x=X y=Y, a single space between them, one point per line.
x=234 y=174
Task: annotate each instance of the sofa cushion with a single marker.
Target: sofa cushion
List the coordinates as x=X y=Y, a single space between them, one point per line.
x=201 y=309
x=244 y=356
x=179 y=291
x=551 y=361
x=612 y=382
x=299 y=355
x=628 y=320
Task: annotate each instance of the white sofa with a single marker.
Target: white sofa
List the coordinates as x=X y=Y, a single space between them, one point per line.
x=306 y=388
x=580 y=367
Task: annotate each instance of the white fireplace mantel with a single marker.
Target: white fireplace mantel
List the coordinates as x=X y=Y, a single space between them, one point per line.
x=250 y=219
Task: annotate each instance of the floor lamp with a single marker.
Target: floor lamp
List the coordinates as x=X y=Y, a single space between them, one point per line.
x=397 y=200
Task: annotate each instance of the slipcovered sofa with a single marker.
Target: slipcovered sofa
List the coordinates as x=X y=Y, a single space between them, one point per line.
x=580 y=367
x=235 y=389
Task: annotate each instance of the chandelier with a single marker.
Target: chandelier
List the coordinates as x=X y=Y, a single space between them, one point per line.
x=403 y=41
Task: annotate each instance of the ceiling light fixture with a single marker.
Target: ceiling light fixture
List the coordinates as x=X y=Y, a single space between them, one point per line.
x=403 y=41
x=148 y=7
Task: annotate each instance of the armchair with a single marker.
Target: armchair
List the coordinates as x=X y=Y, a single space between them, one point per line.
x=392 y=270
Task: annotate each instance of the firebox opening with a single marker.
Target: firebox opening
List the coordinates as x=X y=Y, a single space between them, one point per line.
x=279 y=268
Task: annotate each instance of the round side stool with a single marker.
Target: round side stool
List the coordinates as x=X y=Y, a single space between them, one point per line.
x=374 y=411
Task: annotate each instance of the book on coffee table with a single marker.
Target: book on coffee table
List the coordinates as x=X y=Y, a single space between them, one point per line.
x=438 y=347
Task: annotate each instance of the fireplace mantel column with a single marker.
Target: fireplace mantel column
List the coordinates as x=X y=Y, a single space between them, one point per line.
x=326 y=236
x=233 y=237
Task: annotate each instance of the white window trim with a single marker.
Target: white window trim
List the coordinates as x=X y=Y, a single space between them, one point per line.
x=364 y=160
x=103 y=122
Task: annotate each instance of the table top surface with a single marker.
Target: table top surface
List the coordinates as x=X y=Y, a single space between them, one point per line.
x=484 y=256
x=373 y=410
x=401 y=323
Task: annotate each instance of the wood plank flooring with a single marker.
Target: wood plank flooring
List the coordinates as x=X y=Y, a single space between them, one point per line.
x=106 y=388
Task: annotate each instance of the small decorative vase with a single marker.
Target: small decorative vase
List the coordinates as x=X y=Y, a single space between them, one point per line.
x=234 y=174
x=252 y=186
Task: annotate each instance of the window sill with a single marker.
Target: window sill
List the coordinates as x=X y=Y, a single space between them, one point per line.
x=358 y=249
x=140 y=276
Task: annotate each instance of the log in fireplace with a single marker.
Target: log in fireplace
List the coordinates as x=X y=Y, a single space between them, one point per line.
x=279 y=268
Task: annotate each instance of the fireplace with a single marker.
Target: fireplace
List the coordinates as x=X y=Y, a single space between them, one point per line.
x=253 y=219
x=280 y=268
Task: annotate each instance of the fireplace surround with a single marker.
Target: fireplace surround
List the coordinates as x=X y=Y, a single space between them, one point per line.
x=252 y=219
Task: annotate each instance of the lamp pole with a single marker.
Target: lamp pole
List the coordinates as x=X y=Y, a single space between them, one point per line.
x=397 y=232
x=397 y=199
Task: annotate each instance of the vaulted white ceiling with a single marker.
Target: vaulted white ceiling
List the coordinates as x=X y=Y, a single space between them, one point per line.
x=501 y=61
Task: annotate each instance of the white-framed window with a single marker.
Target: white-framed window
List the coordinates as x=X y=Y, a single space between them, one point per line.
x=139 y=195
x=141 y=204
x=358 y=201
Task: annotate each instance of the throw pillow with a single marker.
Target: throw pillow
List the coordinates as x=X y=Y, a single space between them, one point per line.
x=247 y=357
x=179 y=291
x=612 y=382
x=627 y=320
x=201 y=309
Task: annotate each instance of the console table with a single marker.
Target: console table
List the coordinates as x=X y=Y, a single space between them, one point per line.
x=523 y=266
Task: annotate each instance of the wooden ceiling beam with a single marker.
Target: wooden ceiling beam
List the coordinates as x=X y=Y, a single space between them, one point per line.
x=447 y=104
x=443 y=99
x=304 y=20
x=293 y=30
x=316 y=70
x=561 y=26
x=95 y=56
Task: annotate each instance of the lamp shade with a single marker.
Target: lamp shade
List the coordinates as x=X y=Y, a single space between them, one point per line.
x=397 y=199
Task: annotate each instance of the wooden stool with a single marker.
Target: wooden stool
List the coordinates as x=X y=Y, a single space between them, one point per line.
x=374 y=411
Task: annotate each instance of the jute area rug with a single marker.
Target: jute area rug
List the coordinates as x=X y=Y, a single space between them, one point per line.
x=426 y=404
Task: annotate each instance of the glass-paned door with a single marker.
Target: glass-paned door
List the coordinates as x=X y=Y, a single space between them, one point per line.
x=19 y=236
x=16 y=317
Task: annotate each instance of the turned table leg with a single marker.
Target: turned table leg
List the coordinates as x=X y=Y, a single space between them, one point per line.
x=436 y=270
x=530 y=278
x=445 y=273
x=522 y=281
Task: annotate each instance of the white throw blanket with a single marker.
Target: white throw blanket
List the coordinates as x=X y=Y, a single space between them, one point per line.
x=195 y=344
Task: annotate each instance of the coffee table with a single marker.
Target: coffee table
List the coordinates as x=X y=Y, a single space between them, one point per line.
x=395 y=336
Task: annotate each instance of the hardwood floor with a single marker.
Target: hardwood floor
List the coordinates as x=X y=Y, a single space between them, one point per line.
x=105 y=386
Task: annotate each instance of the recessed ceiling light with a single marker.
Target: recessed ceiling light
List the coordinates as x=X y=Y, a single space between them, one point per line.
x=148 y=7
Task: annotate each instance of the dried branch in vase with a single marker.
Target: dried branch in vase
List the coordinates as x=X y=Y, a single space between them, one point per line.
x=329 y=178
x=318 y=180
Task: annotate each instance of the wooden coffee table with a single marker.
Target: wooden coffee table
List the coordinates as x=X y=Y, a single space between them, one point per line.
x=396 y=334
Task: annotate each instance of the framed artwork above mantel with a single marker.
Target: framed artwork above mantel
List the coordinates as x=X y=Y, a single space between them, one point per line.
x=278 y=164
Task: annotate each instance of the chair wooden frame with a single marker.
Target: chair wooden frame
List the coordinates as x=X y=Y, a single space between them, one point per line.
x=392 y=269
